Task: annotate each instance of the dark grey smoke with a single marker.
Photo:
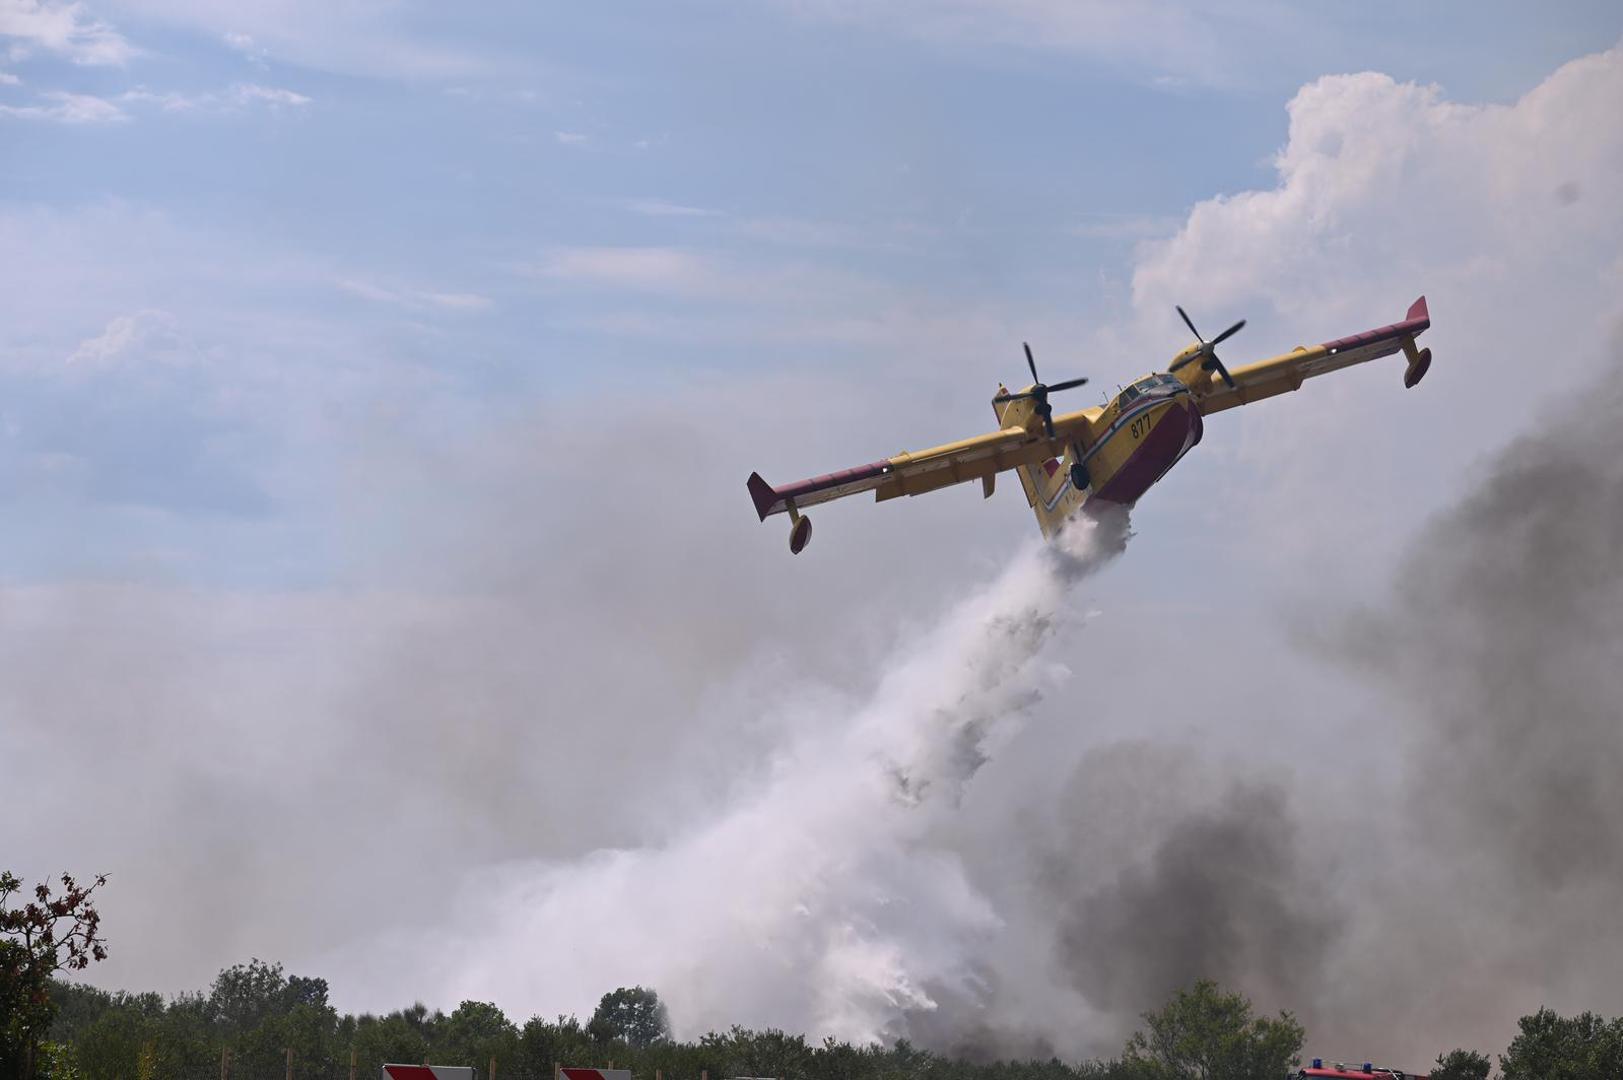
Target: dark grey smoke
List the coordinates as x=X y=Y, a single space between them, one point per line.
x=1503 y=641
x=1505 y=635
x=1221 y=895
x=1403 y=913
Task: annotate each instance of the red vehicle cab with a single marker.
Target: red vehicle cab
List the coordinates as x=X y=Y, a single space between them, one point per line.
x=1365 y=1071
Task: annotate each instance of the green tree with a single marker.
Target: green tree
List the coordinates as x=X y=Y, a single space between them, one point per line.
x=476 y=1032
x=1204 y=1033
x=1551 y=1047
x=109 y=1047
x=405 y=1036
x=246 y=995
x=760 y=1053
x=632 y=1015
x=541 y=1043
x=57 y=1062
x=38 y=939
x=1462 y=1065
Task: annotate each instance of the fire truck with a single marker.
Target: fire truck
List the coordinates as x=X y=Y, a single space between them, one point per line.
x=1336 y=1070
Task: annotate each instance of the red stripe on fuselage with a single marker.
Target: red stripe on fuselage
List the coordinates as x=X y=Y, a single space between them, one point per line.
x=1162 y=447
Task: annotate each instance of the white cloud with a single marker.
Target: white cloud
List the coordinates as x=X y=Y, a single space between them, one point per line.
x=1382 y=181
x=451 y=301
x=237 y=97
x=569 y=138
x=662 y=208
x=62 y=28
x=245 y=44
x=254 y=94
x=66 y=108
x=8 y=79
x=1506 y=216
x=150 y=332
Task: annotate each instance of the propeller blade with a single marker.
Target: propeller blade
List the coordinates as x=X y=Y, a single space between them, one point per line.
x=1214 y=364
x=1182 y=362
x=1013 y=397
x=1231 y=331
x=1046 y=411
x=1032 y=364
x=1067 y=384
x=1186 y=322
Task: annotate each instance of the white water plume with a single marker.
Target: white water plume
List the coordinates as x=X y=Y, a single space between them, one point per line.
x=814 y=900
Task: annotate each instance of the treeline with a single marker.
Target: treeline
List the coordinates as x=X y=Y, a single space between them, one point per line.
x=254 y=1016
x=254 y=1020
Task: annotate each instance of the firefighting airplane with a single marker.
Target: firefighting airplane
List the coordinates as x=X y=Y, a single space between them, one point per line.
x=1106 y=454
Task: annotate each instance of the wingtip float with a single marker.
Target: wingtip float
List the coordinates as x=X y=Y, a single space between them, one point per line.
x=1112 y=453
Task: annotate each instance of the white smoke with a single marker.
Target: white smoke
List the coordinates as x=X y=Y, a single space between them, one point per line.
x=813 y=899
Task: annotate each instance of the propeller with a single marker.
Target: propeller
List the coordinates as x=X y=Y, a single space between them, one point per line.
x=1039 y=393
x=1208 y=349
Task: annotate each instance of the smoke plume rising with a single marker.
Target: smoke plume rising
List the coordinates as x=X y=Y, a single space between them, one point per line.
x=1502 y=642
x=1428 y=906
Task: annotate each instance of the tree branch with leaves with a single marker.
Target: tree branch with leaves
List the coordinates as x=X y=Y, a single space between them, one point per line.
x=40 y=938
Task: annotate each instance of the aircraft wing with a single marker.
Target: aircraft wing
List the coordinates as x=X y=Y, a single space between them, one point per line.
x=976 y=458
x=1264 y=379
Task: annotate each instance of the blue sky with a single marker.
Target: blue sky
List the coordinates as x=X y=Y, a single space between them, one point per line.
x=378 y=383
x=384 y=194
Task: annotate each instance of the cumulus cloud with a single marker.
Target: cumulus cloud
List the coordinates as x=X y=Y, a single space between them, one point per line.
x=64 y=28
x=1387 y=190
x=1377 y=172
